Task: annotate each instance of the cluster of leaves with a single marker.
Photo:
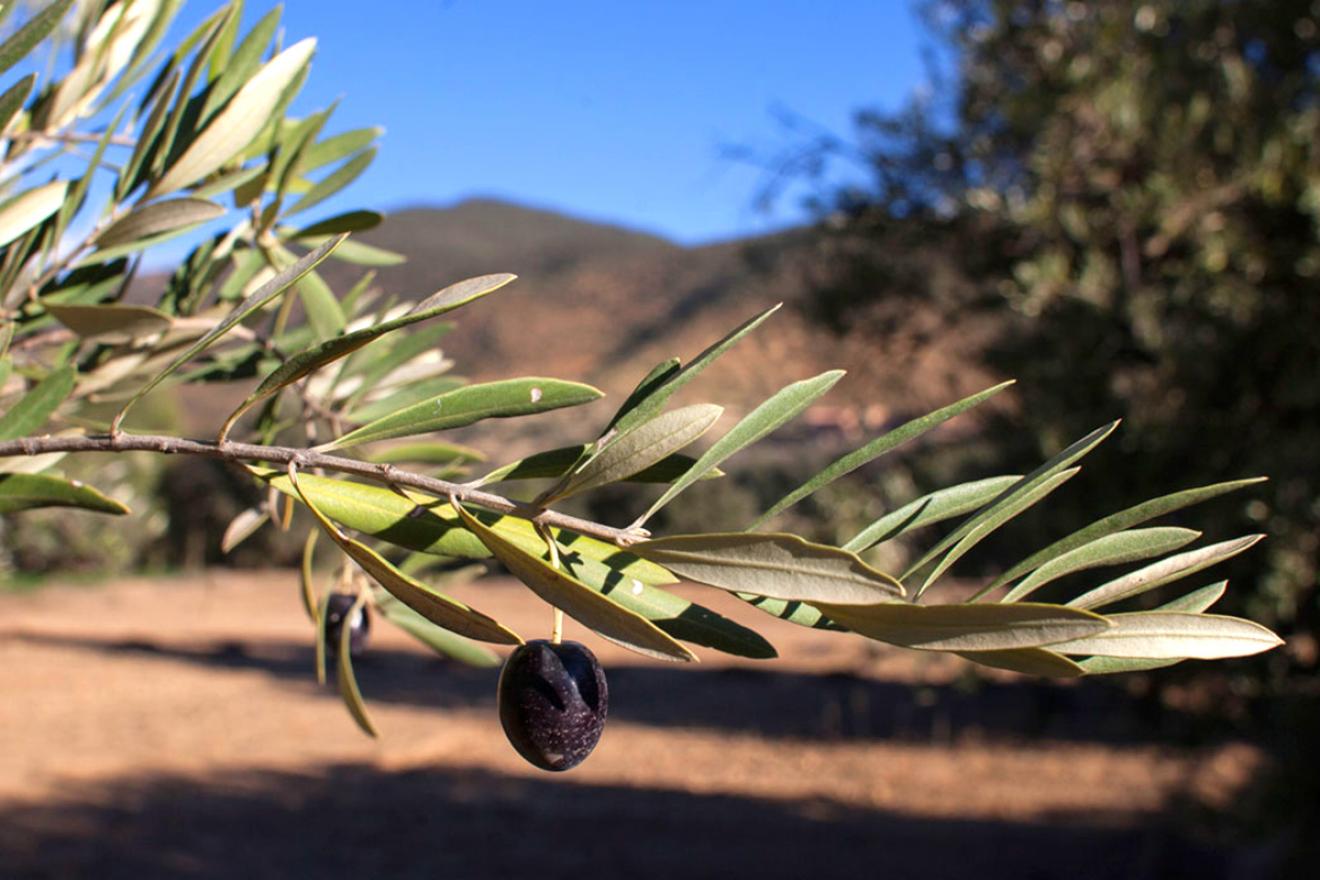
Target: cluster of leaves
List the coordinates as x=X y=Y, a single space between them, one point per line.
x=355 y=384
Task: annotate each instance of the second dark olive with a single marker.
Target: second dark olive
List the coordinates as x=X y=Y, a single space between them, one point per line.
x=553 y=701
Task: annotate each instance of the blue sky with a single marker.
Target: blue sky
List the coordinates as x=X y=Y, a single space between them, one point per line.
x=609 y=110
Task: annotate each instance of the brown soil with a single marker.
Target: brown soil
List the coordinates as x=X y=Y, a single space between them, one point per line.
x=174 y=728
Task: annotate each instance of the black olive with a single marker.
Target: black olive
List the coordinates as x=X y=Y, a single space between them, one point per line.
x=337 y=607
x=553 y=700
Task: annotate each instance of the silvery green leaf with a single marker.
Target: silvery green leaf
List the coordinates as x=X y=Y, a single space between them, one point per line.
x=34 y=408
x=29 y=208
x=779 y=566
x=1028 y=661
x=876 y=448
x=964 y=627
x=1194 y=603
x=1132 y=545
x=242 y=527
x=1157 y=635
x=1163 y=572
x=33 y=31
x=438 y=639
x=157 y=221
x=930 y=509
x=118 y=321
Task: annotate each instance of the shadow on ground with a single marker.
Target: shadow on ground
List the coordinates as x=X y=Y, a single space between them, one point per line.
x=353 y=821
x=824 y=707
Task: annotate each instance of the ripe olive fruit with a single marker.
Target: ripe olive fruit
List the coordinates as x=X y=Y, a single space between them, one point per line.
x=553 y=701
x=338 y=605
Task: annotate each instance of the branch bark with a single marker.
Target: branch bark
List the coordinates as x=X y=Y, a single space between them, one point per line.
x=387 y=474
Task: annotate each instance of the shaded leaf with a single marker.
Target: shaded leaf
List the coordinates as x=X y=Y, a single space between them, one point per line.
x=1163 y=572
x=967 y=627
x=119 y=321
x=876 y=448
x=1127 y=546
x=426 y=452
x=348 y=686
x=33 y=31
x=34 y=408
x=576 y=599
x=930 y=509
x=307 y=578
x=440 y=640
x=350 y=221
x=242 y=527
x=464 y=406
x=1174 y=635
x=779 y=566
x=157 y=220
x=29 y=491
x=783 y=406
x=1028 y=661
x=13 y=99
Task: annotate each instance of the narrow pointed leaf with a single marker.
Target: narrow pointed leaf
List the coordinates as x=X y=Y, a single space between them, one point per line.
x=1028 y=661
x=350 y=221
x=930 y=509
x=261 y=297
x=1158 y=635
x=321 y=611
x=25 y=211
x=557 y=462
x=157 y=219
x=13 y=99
x=464 y=406
x=335 y=181
x=1163 y=572
x=240 y=67
x=576 y=599
x=1003 y=512
x=331 y=350
x=34 y=408
x=783 y=406
x=33 y=31
x=1197 y=600
x=242 y=527
x=1027 y=484
x=644 y=446
x=1124 y=519
x=436 y=607
x=337 y=147
x=1193 y=603
x=307 y=578
x=361 y=254
x=792 y=611
x=1132 y=545
x=347 y=681
x=876 y=448
x=121 y=322
x=30 y=491
x=440 y=640
x=967 y=627
x=426 y=452
x=645 y=405
x=779 y=566
x=241 y=120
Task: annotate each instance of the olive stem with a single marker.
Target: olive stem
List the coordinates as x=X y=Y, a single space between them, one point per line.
x=310 y=458
x=557 y=627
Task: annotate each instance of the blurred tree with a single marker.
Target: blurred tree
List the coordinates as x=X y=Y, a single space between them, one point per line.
x=1140 y=181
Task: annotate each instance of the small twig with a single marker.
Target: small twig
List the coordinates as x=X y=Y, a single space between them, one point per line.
x=308 y=458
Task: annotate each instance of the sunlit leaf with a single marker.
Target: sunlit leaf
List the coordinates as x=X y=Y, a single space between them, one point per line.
x=34 y=408
x=781 y=407
x=334 y=148
x=967 y=627
x=557 y=462
x=242 y=527
x=1163 y=572
x=1127 y=546
x=335 y=181
x=576 y=599
x=930 y=509
x=426 y=452
x=779 y=566
x=1192 y=603
x=465 y=406
x=1158 y=635
x=157 y=221
x=350 y=221
x=27 y=209
x=29 y=491
x=876 y=448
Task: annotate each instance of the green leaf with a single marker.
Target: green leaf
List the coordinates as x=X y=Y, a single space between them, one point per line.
x=261 y=297
x=783 y=406
x=930 y=509
x=29 y=491
x=1028 y=661
x=12 y=100
x=240 y=67
x=1027 y=484
x=1197 y=600
x=1000 y=513
x=334 y=148
x=1127 y=546
x=426 y=452
x=967 y=627
x=321 y=611
x=779 y=566
x=556 y=463
x=35 y=407
x=436 y=607
x=1158 y=635
x=306 y=362
x=1163 y=572
x=334 y=181
x=36 y=29
x=791 y=610
x=121 y=322
x=576 y=599
x=350 y=221
x=28 y=209
x=360 y=254
x=646 y=445
x=158 y=221
x=1193 y=603
x=1124 y=519
x=324 y=313
x=646 y=400
x=242 y=527
x=404 y=396
x=442 y=641
x=307 y=578
x=465 y=406
x=241 y=120
x=876 y=448
x=348 y=686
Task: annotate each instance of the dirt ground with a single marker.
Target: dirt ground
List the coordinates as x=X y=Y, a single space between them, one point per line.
x=173 y=728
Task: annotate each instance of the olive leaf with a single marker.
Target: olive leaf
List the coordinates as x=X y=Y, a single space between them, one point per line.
x=778 y=566
x=307 y=578
x=1029 y=661
x=117 y=321
x=154 y=223
x=1194 y=602
x=967 y=627
x=242 y=527
x=1159 y=635
x=27 y=209
x=33 y=31
x=1127 y=546
x=1163 y=572
x=558 y=462
x=35 y=407
x=440 y=640
x=29 y=491
x=929 y=509
x=347 y=681
x=576 y=599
